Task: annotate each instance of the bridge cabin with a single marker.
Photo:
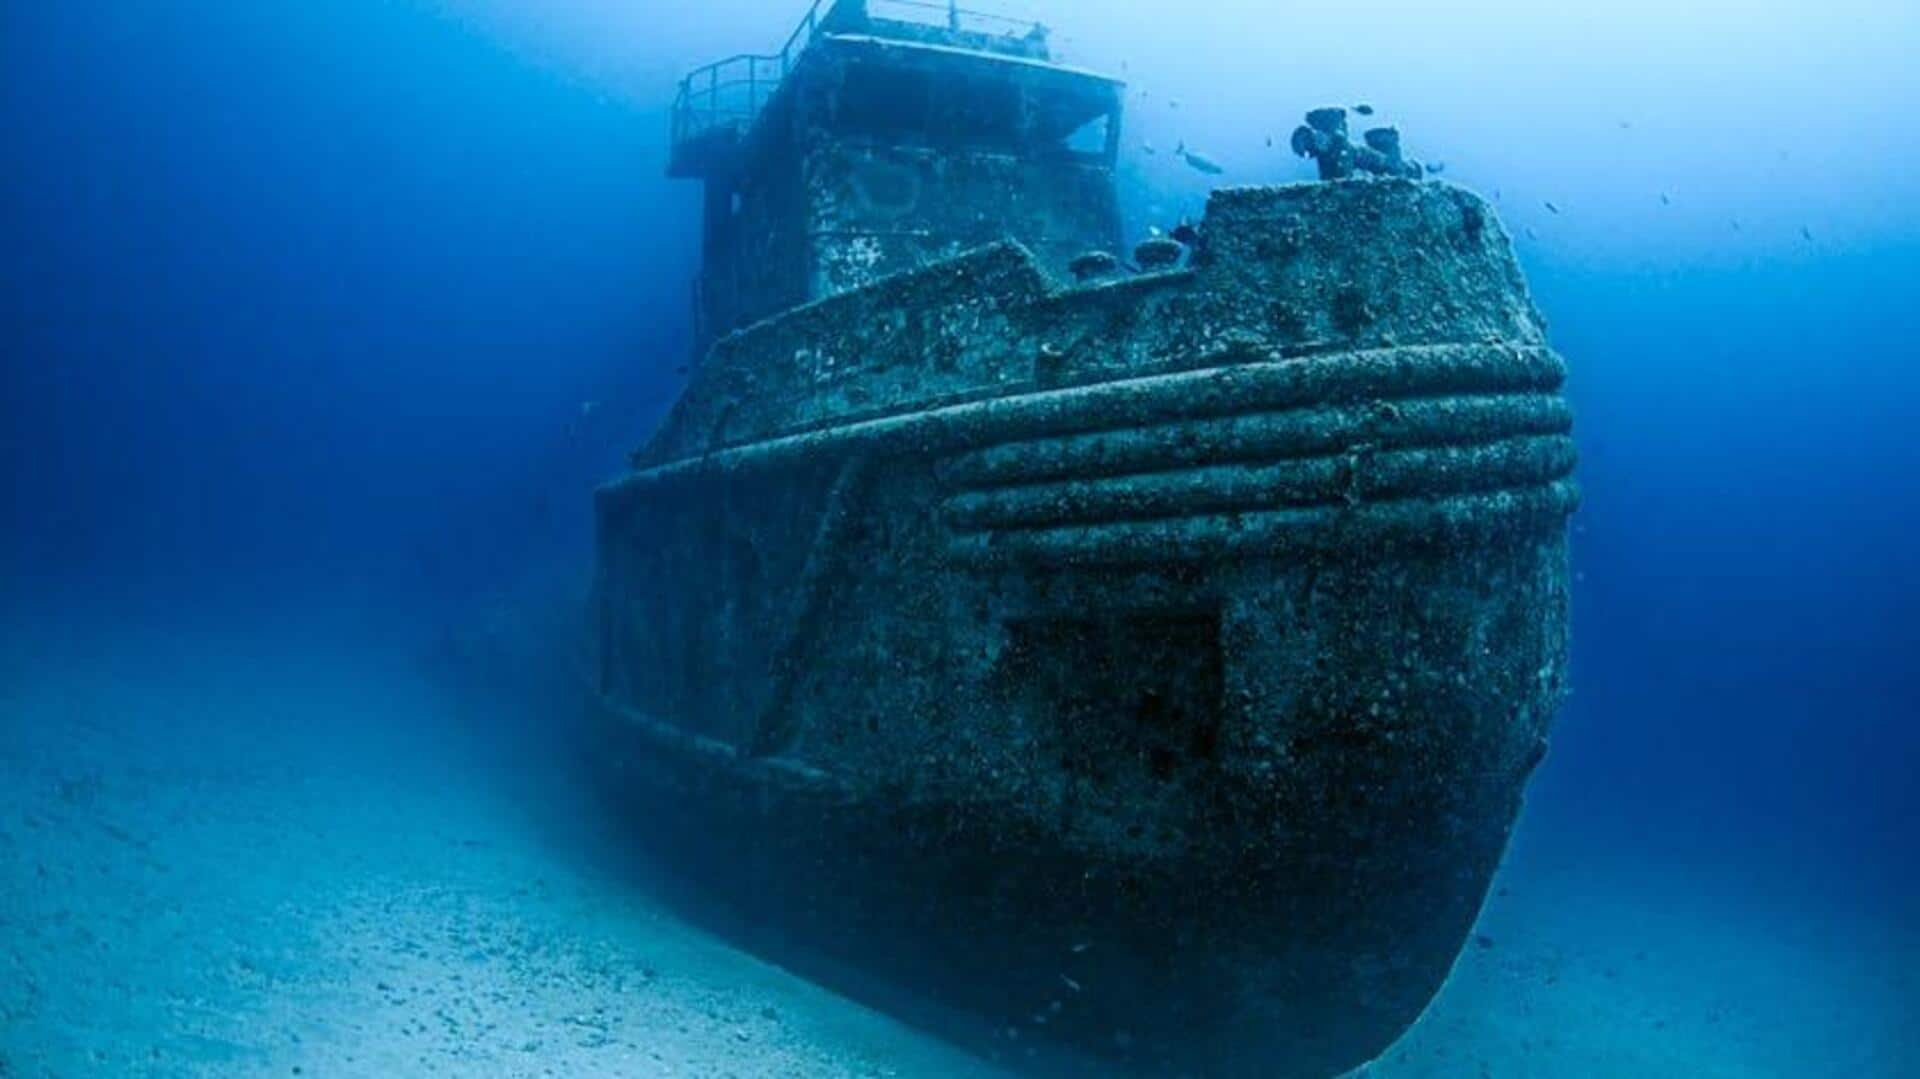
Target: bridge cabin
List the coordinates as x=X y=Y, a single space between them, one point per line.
x=882 y=135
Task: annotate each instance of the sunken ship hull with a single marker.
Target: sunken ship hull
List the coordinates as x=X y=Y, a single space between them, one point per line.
x=1150 y=666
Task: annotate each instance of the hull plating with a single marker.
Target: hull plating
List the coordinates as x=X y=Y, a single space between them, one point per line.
x=1153 y=668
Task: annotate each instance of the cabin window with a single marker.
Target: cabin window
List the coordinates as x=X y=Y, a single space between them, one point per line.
x=1090 y=138
x=976 y=110
x=884 y=102
x=914 y=106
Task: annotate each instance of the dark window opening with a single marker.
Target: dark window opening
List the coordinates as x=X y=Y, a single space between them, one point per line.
x=883 y=102
x=1090 y=138
x=917 y=106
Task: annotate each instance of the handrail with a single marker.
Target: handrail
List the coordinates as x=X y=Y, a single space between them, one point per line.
x=706 y=101
x=698 y=107
x=956 y=15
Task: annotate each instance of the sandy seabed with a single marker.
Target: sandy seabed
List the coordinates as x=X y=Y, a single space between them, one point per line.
x=231 y=857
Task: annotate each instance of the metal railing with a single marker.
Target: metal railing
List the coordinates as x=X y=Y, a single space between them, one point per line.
x=957 y=18
x=729 y=93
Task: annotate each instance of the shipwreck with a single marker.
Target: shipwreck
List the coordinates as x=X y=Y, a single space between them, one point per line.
x=1144 y=651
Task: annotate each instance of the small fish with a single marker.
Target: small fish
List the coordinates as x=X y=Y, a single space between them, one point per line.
x=1806 y=233
x=1147 y=148
x=1735 y=223
x=1200 y=161
x=1626 y=125
x=1186 y=234
x=1269 y=142
x=1666 y=199
x=1436 y=167
x=1173 y=103
x=1551 y=208
x=1070 y=983
x=1364 y=110
x=1531 y=234
x=587 y=407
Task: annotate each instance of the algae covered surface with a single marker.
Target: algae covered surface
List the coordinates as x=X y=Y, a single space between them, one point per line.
x=1057 y=569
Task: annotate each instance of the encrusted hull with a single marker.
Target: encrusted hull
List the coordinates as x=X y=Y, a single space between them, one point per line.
x=1160 y=681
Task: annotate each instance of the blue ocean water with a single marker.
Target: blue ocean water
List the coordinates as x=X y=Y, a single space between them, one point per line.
x=320 y=322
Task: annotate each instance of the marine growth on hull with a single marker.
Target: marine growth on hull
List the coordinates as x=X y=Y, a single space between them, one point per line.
x=1140 y=651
